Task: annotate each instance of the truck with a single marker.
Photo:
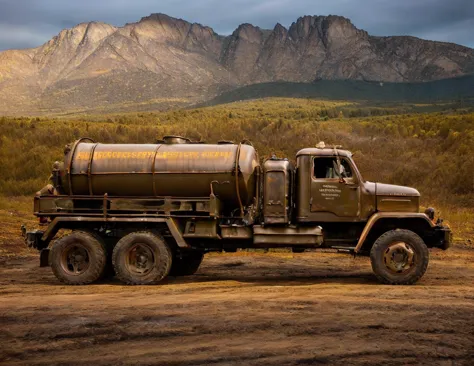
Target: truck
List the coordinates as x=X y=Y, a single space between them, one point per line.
x=146 y=211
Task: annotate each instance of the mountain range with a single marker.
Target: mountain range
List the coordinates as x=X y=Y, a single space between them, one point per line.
x=162 y=61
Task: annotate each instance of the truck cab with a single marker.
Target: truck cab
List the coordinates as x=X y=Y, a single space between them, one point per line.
x=331 y=189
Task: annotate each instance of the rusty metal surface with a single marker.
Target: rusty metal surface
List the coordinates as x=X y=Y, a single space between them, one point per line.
x=278 y=177
x=205 y=186
x=285 y=236
x=351 y=200
x=236 y=232
x=399 y=257
x=120 y=206
x=201 y=229
x=398 y=204
x=162 y=170
x=334 y=195
x=172 y=139
x=381 y=215
x=171 y=223
x=323 y=152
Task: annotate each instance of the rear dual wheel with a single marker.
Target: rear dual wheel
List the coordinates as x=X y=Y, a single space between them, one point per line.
x=138 y=258
x=141 y=258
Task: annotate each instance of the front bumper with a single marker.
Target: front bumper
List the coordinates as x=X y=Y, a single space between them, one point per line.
x=444 y=236
x=33 y=238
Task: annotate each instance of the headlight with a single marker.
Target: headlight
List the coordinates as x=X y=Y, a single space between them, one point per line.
x=430 y=212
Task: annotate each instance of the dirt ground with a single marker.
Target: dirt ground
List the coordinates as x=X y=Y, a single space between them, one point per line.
x=243 y=309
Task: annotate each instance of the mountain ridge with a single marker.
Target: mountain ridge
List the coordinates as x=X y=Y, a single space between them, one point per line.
x=159 y=57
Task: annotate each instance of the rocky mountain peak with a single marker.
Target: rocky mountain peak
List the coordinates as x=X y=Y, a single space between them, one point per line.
x=161 y=18
x=162 y=28
x=318 y=35
x=280 y=30
x=248 y=32
x=78 y=35
x=165 y=57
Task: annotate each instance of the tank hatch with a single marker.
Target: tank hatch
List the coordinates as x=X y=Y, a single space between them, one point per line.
x=169 y=140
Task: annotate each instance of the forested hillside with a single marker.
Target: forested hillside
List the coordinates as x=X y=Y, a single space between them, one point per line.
x=429 y=92
x=433 y=152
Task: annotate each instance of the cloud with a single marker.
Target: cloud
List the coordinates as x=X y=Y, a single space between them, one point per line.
x=25 y=36
x=27 y=23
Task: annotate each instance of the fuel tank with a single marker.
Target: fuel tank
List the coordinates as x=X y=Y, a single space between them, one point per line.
x=176 y=168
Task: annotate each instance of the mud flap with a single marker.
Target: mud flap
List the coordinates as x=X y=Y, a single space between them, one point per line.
x=44 y=257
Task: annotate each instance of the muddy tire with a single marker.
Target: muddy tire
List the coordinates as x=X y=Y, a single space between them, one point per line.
x=78 y=258
x=108 y=244
x=141 y=258
x=399 y=257
x=186 y=265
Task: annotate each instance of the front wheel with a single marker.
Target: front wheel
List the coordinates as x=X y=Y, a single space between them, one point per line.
x=399 y=257
x=141 y=258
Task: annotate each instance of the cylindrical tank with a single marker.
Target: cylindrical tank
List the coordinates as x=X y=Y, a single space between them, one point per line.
x=170 y=169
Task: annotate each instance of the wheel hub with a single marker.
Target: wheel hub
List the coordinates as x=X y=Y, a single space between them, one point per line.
x=399 y=257
x=75 y=259
x=140 y=259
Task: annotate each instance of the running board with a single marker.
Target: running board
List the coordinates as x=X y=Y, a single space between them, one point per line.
x=287 y=236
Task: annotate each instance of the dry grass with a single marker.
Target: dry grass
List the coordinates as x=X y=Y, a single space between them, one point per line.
x=14 y=212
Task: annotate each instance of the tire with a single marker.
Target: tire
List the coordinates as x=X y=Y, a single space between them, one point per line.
x=186 y=265
x=141 y=258
x=78 y=258
x=108 y=243
x=399 y=257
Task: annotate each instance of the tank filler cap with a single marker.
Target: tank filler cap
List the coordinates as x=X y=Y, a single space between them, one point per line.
x=176 y=140
x=276 y=158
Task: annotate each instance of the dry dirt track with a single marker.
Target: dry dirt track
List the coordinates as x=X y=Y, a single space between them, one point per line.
x=241 y=309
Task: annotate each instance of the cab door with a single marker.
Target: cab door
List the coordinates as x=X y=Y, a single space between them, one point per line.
x=334 y=194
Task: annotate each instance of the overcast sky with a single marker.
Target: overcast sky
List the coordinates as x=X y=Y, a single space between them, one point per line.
x=30 y=23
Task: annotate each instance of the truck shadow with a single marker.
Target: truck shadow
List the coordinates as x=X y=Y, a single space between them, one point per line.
x=261 y=274
x=263 y=279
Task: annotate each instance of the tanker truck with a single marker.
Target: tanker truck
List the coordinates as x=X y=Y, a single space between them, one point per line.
x=146 y=211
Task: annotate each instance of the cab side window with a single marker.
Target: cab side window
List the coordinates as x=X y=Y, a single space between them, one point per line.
x=327 y=168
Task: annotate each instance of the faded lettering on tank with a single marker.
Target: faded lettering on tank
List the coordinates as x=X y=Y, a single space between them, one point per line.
x=330 y=192
x=83 y=155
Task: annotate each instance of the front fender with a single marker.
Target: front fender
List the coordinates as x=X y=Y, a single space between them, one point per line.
x=389 y=215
